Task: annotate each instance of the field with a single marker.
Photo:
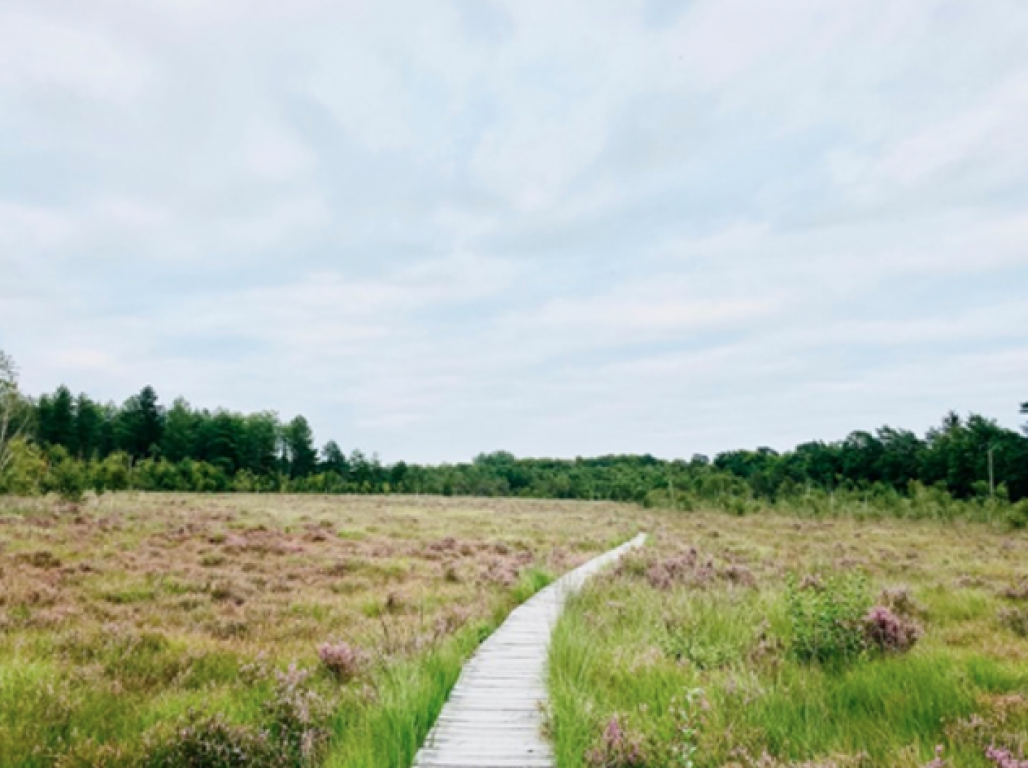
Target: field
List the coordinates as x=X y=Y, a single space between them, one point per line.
x=174 y=630
x=751 y=642
x=178 y=630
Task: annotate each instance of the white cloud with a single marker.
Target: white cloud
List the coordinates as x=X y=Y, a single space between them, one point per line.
x=557 y=228
x=42 y=52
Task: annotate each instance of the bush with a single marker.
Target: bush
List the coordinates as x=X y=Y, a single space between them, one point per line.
x=827 y=618
x=211 y=741
x=342 y=660
x=25 y=470
x=298 y=717
x=67 y=477
x=888 y=632
x=1017 y=517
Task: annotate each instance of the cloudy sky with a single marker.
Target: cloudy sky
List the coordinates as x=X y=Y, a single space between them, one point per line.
x=562 y=227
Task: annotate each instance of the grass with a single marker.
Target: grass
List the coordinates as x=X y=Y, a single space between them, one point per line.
x=174 y=630
x=143 y=629
x=687 y=653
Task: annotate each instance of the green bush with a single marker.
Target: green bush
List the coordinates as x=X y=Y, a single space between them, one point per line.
x=67 y=477
x=826 y=617
x=1017 y=517
x=25 y=469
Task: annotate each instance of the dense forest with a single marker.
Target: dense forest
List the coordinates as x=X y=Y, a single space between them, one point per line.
x=68 y=444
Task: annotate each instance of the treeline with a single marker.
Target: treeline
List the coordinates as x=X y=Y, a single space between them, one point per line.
x=69 y=444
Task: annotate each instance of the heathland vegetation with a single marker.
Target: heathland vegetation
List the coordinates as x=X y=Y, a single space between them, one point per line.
x=779 y=642
x=176 y=631
x=965 y=467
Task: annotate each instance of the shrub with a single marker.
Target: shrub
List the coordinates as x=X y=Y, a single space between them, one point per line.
x=298 y=716
x=1017 y=516
x=67 y=477
x=25 y=470
x=827 y=618
x=889 y=632
x=342 y=660
x=213 y=742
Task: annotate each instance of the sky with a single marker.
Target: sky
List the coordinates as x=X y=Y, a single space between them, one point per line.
x=558 y=228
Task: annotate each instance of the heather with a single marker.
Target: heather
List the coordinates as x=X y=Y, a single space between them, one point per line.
x=175 y=630
x=778 y=641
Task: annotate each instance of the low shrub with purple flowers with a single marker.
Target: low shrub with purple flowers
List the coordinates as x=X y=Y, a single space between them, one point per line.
x=213 y=742
x=342 y=660
x=293 y=730
x=889 y=632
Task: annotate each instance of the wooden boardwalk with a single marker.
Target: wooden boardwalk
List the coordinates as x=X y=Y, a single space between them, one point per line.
x=493 y=718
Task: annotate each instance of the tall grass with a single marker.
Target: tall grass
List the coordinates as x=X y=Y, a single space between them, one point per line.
x=633 y=650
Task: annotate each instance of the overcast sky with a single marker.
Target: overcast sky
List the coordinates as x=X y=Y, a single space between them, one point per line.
x=441 y=227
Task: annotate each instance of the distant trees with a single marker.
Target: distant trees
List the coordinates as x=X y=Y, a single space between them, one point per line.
x=300 y=455
x=64 y=442
x=140 y=425
x=333 y=459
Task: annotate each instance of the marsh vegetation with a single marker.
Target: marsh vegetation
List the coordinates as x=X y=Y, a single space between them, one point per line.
x=782 y=641
x=174 y=630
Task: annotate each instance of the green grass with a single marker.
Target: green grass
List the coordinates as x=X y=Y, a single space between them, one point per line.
x=408 y=699
x=630 y=647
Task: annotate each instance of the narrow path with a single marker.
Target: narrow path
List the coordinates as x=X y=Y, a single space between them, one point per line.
x=493 y=718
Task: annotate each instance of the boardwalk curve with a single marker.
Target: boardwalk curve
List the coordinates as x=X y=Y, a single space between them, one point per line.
x=493 y=718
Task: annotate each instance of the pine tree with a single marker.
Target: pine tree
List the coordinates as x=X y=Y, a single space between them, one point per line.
x=301 y=456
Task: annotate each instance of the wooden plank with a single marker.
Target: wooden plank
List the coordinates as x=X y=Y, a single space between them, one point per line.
x=493 y=718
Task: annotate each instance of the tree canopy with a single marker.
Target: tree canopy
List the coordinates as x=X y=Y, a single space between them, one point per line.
x=142 y=444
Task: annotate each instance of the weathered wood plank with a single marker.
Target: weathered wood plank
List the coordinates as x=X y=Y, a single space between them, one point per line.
x=493 y=718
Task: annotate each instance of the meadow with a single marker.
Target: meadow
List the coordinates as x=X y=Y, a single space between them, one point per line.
x=173 y=630
x=768 y=640
x=177 y=630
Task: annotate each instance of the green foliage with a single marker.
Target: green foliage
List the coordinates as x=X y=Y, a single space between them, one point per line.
x=25 y=469
x=943 y=475
x=113 y=473
x=301 y=456
x=1017 y=515
x=826 y=618
x=67 y=477
x=140 y=424
x=14 y=412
